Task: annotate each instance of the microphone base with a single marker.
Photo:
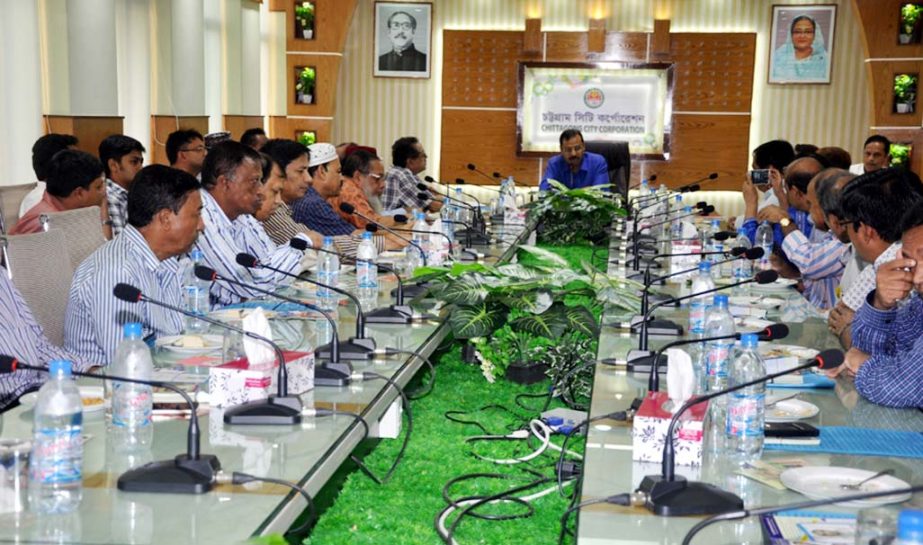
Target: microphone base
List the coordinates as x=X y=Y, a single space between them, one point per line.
x=178 y=476
x=274 y=411
x=477 y=237
x=663 y=328
x=412 y=291
x=680 y=497
x=332 y=374
x=353 y=349
x=641 y=361
x=395 y=314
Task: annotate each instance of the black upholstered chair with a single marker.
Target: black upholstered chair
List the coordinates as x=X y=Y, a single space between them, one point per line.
x=618 y=160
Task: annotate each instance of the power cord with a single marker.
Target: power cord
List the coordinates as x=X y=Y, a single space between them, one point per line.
x=617 y=415
x=424 y=391
x=243 y=478
x=369 y=375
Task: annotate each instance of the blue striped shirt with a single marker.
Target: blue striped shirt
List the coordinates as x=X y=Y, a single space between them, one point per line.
x=94 y=319
x=22 y=338
x=821 y=262
x=315 y=212
x=223 y=239
x=893 y=375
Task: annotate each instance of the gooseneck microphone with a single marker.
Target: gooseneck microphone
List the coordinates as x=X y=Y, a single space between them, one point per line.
x=773 y=332
x=350 y=209
x=472 y=167
x=189 y=473
x=487 y=187
x=280 y=409
x=670 y=495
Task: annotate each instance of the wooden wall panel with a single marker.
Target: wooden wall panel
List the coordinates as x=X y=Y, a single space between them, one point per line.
x=237 y=124
x=714 y=72
x=484 y=68
x=163 y=125
x=331 y=21
x=89 y=130
x=290 y=127
x=483 y=138
x=327 y=68
x=880 y=22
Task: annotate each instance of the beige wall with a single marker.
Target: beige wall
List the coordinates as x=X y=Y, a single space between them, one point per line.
x=375 y=111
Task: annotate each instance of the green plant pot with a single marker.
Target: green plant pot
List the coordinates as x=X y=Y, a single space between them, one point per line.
x=526 y=373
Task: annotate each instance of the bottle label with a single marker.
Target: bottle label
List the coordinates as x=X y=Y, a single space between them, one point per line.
x=57 y=455
x=365 y=275
x=716 y=362
x=744 y=415
x=131 y=405
x=697 y=316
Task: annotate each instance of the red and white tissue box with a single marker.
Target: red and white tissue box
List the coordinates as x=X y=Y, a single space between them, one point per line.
x=650 y=427
x=235 y=382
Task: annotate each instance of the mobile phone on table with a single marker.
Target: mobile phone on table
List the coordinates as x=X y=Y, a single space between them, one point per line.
x=790 y=429
x=760 y=177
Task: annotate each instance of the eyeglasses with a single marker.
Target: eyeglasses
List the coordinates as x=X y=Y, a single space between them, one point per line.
x=802 y=33
x=403 y=26
x=197 y=149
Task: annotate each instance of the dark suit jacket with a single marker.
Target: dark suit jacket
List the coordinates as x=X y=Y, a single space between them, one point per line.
x=409 y=60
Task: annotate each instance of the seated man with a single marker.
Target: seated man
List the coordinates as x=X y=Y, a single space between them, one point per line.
x=232 y=177
x=792 y=211
x=22 y=338
x=313 y=209
x=887 y=354
x=408 y=159
x=255 y=138
x=121 y=159
x=363 y=185
x=186 y=151
x=575 y=167
x=42 y=151
x=876 y=155
x=869 y=205
x=164 y=218
x=75 y=180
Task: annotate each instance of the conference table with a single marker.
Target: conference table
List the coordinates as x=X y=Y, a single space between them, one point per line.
x=609 y=468
x=307 y=454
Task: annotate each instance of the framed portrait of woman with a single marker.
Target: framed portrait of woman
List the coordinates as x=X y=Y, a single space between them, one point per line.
x=801 y=43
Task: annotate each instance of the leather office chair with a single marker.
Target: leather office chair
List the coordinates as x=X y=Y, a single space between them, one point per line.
x=618 y=159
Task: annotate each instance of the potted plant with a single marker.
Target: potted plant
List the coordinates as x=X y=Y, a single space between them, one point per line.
x=910 y=15
x=304 y=14
x=306 y=138
x=305 y=86
x=573 y=216
x=905 y=92
x=900 y=155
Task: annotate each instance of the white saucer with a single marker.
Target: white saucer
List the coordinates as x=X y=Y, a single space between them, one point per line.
x=790 y=410
x=92 y=396
x=824 y=482
x=172 y=343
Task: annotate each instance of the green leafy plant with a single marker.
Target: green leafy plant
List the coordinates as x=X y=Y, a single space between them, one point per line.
x=905 y=87
x=307 y=138
x=569 y=216
x=304 y=13
x=306 y=80
x=900 y=155
x=910 y=15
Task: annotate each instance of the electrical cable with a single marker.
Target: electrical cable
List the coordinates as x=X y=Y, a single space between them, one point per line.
x=450 y=415
x=424 y=391
x=242 y=478
x=618 y=415
x=367 y=375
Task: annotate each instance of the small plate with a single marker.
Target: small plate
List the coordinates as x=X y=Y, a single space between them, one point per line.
x=749 y=324
x=821 y=483
x=778 y=351
x=190 y=345
x=237 y=314
x=781 y=285
x=790 y=410
x=92 y=396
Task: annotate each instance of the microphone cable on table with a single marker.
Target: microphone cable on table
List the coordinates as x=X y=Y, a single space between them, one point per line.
x=425 y=390
x=243 y=478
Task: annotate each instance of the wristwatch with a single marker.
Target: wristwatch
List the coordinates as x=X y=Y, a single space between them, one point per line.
x=785 y=222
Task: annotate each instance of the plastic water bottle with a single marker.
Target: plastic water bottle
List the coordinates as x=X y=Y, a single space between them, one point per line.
x=328 y=272
x=132 y=404
x=195 y=293
x=718 y=322
x=764 y=239
x=746 y=407
x=367 y=272
x=421 y=240
x=438 y=242
x=699 y=305
x=742 y=267
x=909 y=527
x=56 y=462
x=676 y=227
x=461 y=213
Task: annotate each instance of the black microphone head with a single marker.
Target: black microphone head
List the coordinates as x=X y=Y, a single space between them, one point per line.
x=422 y=186
x=246 y=260
x=829 y=359
x=713 y=175
x=691 y=188
x=774 y=332
x=459 y=181
x=346 y=207
x=651 y=178
x=422 y=196
x=398 y=218
x=497 y=175
x=298 y=244
x=722 y=235
x=7 y=364
x=205 y=273
x=707 y=210
x=754 y=253
x=766 y=277
x=373 y=227
x=127 y=292
x=738 y=251
x=701 y=205
x=429 y=179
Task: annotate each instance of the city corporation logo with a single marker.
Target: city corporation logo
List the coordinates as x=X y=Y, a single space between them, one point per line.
x=594 y=98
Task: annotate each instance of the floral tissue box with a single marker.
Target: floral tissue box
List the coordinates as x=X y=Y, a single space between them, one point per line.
x=234 y=383
x=650 y=428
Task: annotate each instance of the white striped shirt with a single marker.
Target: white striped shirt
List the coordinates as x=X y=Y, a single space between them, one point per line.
x=95 y=318
x=22 y=338
x=821 y=261
x=223 y=239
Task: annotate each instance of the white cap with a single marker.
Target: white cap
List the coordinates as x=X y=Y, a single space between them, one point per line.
x=321 y=154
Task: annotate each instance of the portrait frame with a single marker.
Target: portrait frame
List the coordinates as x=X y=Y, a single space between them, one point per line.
x=785 y=67
x=416 y=64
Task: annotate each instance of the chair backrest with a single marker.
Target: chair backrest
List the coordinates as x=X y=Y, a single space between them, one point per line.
x=83 y=232
x=618 y=159
x=10 y=198
x=42 y=272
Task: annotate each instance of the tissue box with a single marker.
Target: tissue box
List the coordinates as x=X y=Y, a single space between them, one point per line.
x=650 y=427
x=234 y=382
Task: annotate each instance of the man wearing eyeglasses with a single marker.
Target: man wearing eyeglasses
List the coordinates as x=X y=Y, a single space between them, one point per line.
x=186 y=151
x=363 y=184
x=403 y=56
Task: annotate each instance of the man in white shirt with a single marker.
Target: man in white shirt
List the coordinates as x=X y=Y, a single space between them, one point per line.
x=876 y=155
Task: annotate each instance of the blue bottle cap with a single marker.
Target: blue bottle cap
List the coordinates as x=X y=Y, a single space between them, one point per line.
x=132 y=330
x=687 y=209
x=749 y=340
x=721 y=301
x=60 y=367
x=705 y=266
x=678 y=198
x=715 y=223
x=910 y=525
x=366 y=236
x=196 y=254
x=328 y=241
x=420 y=216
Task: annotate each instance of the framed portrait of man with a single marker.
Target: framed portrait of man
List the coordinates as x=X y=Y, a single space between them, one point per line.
x=403 y=39
x=801 y=43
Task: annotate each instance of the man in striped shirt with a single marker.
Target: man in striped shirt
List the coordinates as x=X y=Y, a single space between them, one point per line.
x=164 y=219
x=121 y=158
x=232 y=177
